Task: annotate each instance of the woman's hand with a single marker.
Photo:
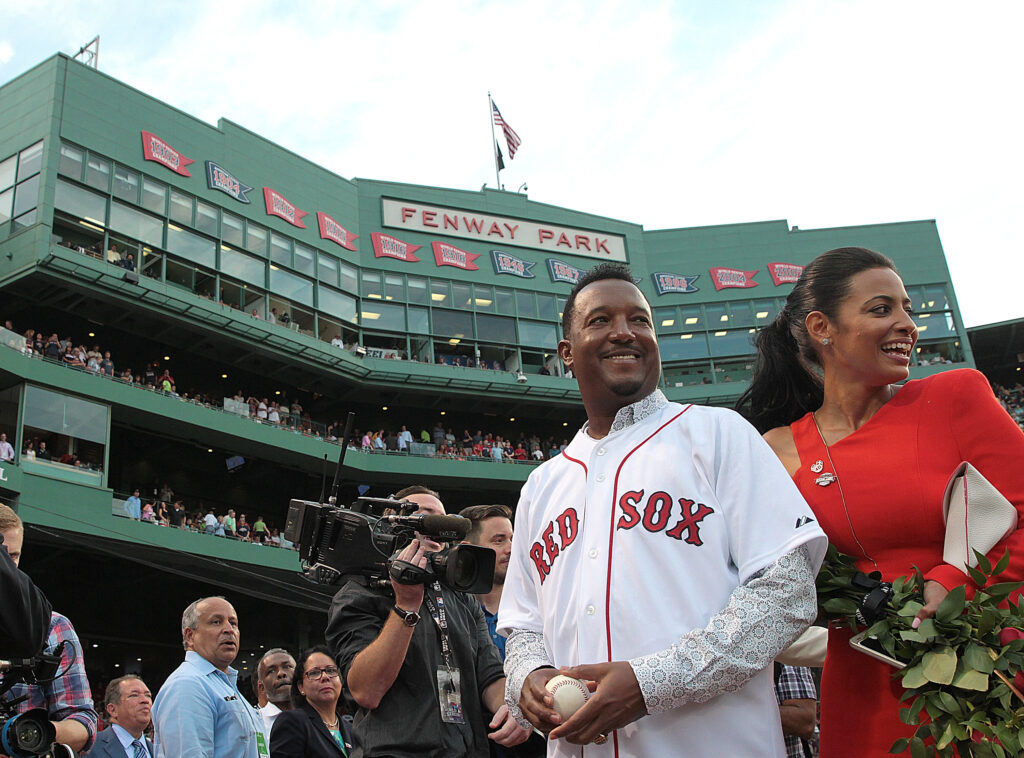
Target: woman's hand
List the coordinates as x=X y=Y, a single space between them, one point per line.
x=934 y=593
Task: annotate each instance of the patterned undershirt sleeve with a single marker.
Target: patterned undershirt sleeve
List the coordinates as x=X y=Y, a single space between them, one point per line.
x=524 y=652
x=762 y=617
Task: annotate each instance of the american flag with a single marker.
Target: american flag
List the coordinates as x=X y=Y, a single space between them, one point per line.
x=511 y=138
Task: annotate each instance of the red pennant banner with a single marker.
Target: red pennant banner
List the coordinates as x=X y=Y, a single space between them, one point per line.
x=784 y=273
x=278 y=205
x=386 y=246
x=732 y=277
x=447 y=255
x=155 y=149
x=332 y=230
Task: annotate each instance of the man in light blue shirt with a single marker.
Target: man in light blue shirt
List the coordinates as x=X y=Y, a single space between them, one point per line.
x=133 y=506
x=199 y=712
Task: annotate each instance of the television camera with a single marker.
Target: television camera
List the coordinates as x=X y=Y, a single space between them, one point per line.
x=28 y=734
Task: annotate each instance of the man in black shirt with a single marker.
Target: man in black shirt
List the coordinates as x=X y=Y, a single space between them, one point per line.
x=24 y=611
x=420 y=666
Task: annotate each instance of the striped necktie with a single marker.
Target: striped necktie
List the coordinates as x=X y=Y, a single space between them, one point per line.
x=140 y=751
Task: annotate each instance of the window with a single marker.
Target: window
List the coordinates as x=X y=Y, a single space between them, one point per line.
x=718 y=316
x=683 y=347
x=483 y=298
x=136 y=224
x=546 y=306
x=419 y=320
x=536 y=334
x=504 y=301
x=394 y=288
x=304 y=260
x=7 y=168
x=417 y=290
x=461 y=295
x=327 y=269
x=190 y=245
x=736 y=342
x=934 y=298
x=455 y=324
x=206 y=218
x=256 y=238
x=244 y=267
x=232 y=229
x=152 y=264
x=181 y=207
x=741 y=313
x=690 y=317
x=68 y=425
x=97 y=173
x=439 y=292
x=666 y=320
x=526 y=306
x=496 y=329
x=765 y=311
x=6 y=201
x=290 y=286
x=154 y=196
x=26 y=196
x=934 y=325
x=377 y=315
x=30 y=161
x=80 y=203
x=280 y=250
x=71 y=161
x=371 y=284
x=126 y=184
x=336 y=304
x=348 y=278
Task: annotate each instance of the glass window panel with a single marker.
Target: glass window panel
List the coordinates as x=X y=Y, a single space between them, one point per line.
x=281 y=250
x=736 y=342
x=244 y=267
x=154 y=196
x=525 y=304
x=152 y=263
x=80 y=203
x=742 y=314
x=439 y=292
x=136 y=224
x=666 y=320
x=97 y=173
x=348 y=278
x=206 y=218
x=191 y=246
x=30 y=161
x=337 y=304
x=496 y=329
x=717 y=315
x=291 y=286
x=461 y=295
x=6 y=200
x=691 y=317
x=232 y=230
x=536 y=334
x=181 y=207
x=180 y=274
x=394 y=287
x=546 y=306
x=126 y=184
x=64 y=414
x=504 y=301
x=419 y=320
x=559 y=306
x=371 y=284
x=23 y=222
x=417 y=290
x=231 y=293
x=327 y=269
x=457 y=324
x=26 y=196
x=7 y=168
x=71 y=161
x=304 y=260
x=933 y=325
x=378 y=315
x=682 y=347
x=935 y=298
x=483 y=298
x=765 y=311
x=256 y=238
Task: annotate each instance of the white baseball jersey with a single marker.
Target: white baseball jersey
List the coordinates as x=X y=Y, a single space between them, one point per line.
x=624 y=544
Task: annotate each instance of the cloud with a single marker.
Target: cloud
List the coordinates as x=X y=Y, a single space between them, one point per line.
x=6 y=51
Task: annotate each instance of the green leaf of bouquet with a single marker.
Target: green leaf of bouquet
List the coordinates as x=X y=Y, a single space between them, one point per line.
x=1003 y=563
x=946 y=738
x=971 y=680
x=939 y=666
x=989 y=618
x=914 y=678
x=977 y=658
x=910 y=609
x=952 y=605
x=950 y=704
x=912 y=635
x=927 y=629
x=839 y=606
x=917 y=748
x=983 y=562
x=976 y=576
x=1002 y=589
x=899 y=745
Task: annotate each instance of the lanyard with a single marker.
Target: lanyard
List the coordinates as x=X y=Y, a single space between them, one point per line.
x=437 y=612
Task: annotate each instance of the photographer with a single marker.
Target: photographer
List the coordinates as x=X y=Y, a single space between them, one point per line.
x=421 y=666
x=24 y=609
x=67 y=698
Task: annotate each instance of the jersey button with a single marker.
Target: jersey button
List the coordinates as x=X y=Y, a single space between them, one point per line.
x=593 y=553
x=602 y=451
x=590 y=610
x=600 y=477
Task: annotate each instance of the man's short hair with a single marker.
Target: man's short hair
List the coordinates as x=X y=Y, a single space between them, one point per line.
x=113 y=694
x=478 y=514
x=598 y=273
x=9 y=519
x=416 y=489
x=190 y=618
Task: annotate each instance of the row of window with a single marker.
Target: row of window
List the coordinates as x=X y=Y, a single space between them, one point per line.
x=19 y=187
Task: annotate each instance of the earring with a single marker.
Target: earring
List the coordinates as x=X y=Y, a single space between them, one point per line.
x=826 y=341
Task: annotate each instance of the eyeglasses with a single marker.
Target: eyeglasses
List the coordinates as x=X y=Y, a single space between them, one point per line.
x=331 y=671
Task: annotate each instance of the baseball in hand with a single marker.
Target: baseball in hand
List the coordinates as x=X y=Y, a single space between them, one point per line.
x=568 y=694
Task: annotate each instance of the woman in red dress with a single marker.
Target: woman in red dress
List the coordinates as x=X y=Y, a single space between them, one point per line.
x=872 y=457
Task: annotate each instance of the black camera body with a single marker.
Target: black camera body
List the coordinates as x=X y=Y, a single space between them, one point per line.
x=337 y=543
x=29 y=734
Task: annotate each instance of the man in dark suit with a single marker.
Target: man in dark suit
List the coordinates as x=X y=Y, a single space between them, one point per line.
x=128 y=703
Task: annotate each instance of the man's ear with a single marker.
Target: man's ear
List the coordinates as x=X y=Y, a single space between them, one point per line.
x=565 y=352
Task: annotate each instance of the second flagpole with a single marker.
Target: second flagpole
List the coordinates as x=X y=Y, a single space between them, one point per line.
x=494 y=140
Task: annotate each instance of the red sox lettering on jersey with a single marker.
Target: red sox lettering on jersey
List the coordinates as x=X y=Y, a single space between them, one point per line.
x=655 y=515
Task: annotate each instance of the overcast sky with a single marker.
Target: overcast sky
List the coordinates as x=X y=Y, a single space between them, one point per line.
x=666 y=114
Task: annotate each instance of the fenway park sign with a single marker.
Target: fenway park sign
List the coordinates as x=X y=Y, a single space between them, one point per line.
x=495 y=230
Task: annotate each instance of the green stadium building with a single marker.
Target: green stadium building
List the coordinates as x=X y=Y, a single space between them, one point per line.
x=254 y=271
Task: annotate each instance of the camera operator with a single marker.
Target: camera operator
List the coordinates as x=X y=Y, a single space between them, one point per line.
x=67 y=698
x=421 y=666
x=24 y=609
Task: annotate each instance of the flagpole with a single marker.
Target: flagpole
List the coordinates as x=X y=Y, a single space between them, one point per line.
x=494 y=139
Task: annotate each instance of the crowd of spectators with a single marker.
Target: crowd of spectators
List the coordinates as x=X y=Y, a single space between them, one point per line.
x=446 y=444
x=1012 y=399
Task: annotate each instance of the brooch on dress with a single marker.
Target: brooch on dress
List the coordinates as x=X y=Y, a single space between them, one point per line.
x=825 y=480
x=817 y=466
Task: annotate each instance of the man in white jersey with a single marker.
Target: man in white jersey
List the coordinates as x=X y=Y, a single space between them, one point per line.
x=665 y=556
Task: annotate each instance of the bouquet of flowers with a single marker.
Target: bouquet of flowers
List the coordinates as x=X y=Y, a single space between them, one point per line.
x=962 y=669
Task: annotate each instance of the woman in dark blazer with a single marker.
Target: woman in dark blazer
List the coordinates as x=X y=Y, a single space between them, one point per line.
x=315 y=728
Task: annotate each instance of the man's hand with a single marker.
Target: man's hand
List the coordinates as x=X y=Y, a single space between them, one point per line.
x=508 y=733
x=409 y=597
x=536 y=702
x=615 y=702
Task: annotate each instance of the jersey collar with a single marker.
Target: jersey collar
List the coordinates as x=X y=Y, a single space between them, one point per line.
x=636 y=412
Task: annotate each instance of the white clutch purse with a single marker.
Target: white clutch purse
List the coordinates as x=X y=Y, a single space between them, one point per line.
x=976 y=514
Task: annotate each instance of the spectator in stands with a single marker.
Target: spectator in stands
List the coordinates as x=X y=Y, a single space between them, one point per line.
x=162 y=516
x=243 y=528
x=274 y=413
x=43 y=453
x=424 y=436
x=177 y=514
x=229 y=523
x=148 y=514
x=366 y=443
x=210 y=522
x=133 y=505
x=107 y=365
x=519 y=453
x=259 y=530
x=438 y=434
x=114 y=255
x=378 y=441
x=93 y=364
x=6 y=450
x=261 y=410
x=127 y=376
x=404 y=439
x=337 y=341
x=129 y=262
